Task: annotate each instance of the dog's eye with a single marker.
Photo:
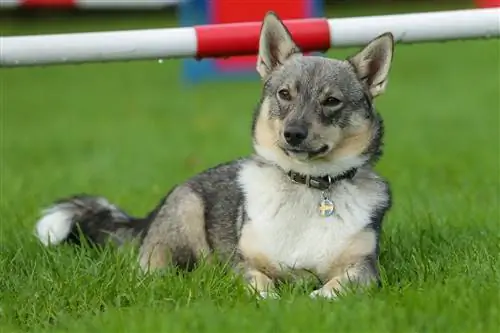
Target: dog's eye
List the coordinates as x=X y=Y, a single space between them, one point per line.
x=284 y=94
x=332 y=101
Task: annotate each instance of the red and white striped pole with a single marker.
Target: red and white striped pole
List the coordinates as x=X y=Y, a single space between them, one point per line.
x=223 y=40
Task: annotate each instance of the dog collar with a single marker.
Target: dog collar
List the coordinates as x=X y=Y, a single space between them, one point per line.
x=320 y=183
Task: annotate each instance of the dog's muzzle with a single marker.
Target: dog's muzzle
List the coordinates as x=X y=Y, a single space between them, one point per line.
x=310 y=153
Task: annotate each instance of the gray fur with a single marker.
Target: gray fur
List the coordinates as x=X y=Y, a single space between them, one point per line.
x=217 y=211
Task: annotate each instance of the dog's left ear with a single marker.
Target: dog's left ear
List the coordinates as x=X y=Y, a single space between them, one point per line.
x=372 y=64
x=275 y=45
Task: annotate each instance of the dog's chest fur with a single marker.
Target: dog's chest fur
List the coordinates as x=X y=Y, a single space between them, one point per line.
x=285 y=229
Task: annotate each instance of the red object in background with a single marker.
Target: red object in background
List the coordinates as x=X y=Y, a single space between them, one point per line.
x=48 y=3
x=487 y=3
x=218 y=40
x=231 y=11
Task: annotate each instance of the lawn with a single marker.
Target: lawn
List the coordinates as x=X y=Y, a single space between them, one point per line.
x=130 y=131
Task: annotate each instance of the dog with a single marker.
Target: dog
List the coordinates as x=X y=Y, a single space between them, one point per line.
x=307 y=200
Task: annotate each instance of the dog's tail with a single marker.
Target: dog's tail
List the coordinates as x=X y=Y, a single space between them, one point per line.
x=90 y=217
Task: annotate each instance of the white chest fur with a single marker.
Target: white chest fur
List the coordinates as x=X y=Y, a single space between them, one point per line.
x=285 y=226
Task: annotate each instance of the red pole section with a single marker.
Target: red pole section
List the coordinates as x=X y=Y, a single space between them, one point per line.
x=487 y=3
x=48 y=3
x=219 y=40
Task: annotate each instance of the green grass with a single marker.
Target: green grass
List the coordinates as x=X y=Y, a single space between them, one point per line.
x=130 y=131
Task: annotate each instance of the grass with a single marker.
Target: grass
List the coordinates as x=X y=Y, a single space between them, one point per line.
x=130 y=131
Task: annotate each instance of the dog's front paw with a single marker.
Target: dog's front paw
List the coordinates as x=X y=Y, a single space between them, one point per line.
x=324 y=293
x=268 y=295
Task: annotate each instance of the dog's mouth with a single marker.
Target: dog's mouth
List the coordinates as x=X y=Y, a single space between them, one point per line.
x=310 y=153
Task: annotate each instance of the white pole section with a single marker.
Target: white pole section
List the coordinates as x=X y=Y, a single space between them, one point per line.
x=417 y=27
x=98 y=47
x=242 y=38
x=9 y=3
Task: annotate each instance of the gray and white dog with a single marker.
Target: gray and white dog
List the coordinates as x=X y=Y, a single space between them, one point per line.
x=307 y=200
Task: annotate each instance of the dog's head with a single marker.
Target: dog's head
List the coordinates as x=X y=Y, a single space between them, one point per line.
x=316 y=114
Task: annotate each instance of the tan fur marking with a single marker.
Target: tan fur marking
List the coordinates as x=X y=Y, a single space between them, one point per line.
x=361 y=245
x=178 y=225
x=254 y=258
x=266 y=130
x=262 y=263
x=153 y=257
x=339 y=283
x=350 y=266
x=333 y=284
x=193 y=216
x=258 y=281
x=354 y=141
x=258 y=267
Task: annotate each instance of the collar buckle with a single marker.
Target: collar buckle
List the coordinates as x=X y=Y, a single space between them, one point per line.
x=321 y=183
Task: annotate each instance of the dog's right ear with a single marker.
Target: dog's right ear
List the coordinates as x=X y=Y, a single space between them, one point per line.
x=275 y=45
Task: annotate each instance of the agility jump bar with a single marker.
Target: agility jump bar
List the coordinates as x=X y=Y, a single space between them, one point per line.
x=224 y=40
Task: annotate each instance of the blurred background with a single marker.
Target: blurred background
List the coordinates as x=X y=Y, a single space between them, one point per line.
x=20 y=16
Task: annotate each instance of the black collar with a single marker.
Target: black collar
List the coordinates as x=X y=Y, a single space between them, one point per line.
x=320 y=183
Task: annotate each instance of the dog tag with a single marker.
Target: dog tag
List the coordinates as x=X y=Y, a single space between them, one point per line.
x=326 y=207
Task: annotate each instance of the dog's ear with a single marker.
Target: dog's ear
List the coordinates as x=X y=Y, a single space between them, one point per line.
x=275 y=45
x=372 y=63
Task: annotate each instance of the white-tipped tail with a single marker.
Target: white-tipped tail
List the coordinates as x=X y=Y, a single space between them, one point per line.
x=54 y=226
x=83 y=216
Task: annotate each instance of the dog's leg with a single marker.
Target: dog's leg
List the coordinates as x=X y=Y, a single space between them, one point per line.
x=357 y=275
x=260 y=283
x=257 y=269
x=356 y=267
x=177 y=233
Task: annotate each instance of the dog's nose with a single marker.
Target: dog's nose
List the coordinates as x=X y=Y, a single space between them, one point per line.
x=295 y=134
